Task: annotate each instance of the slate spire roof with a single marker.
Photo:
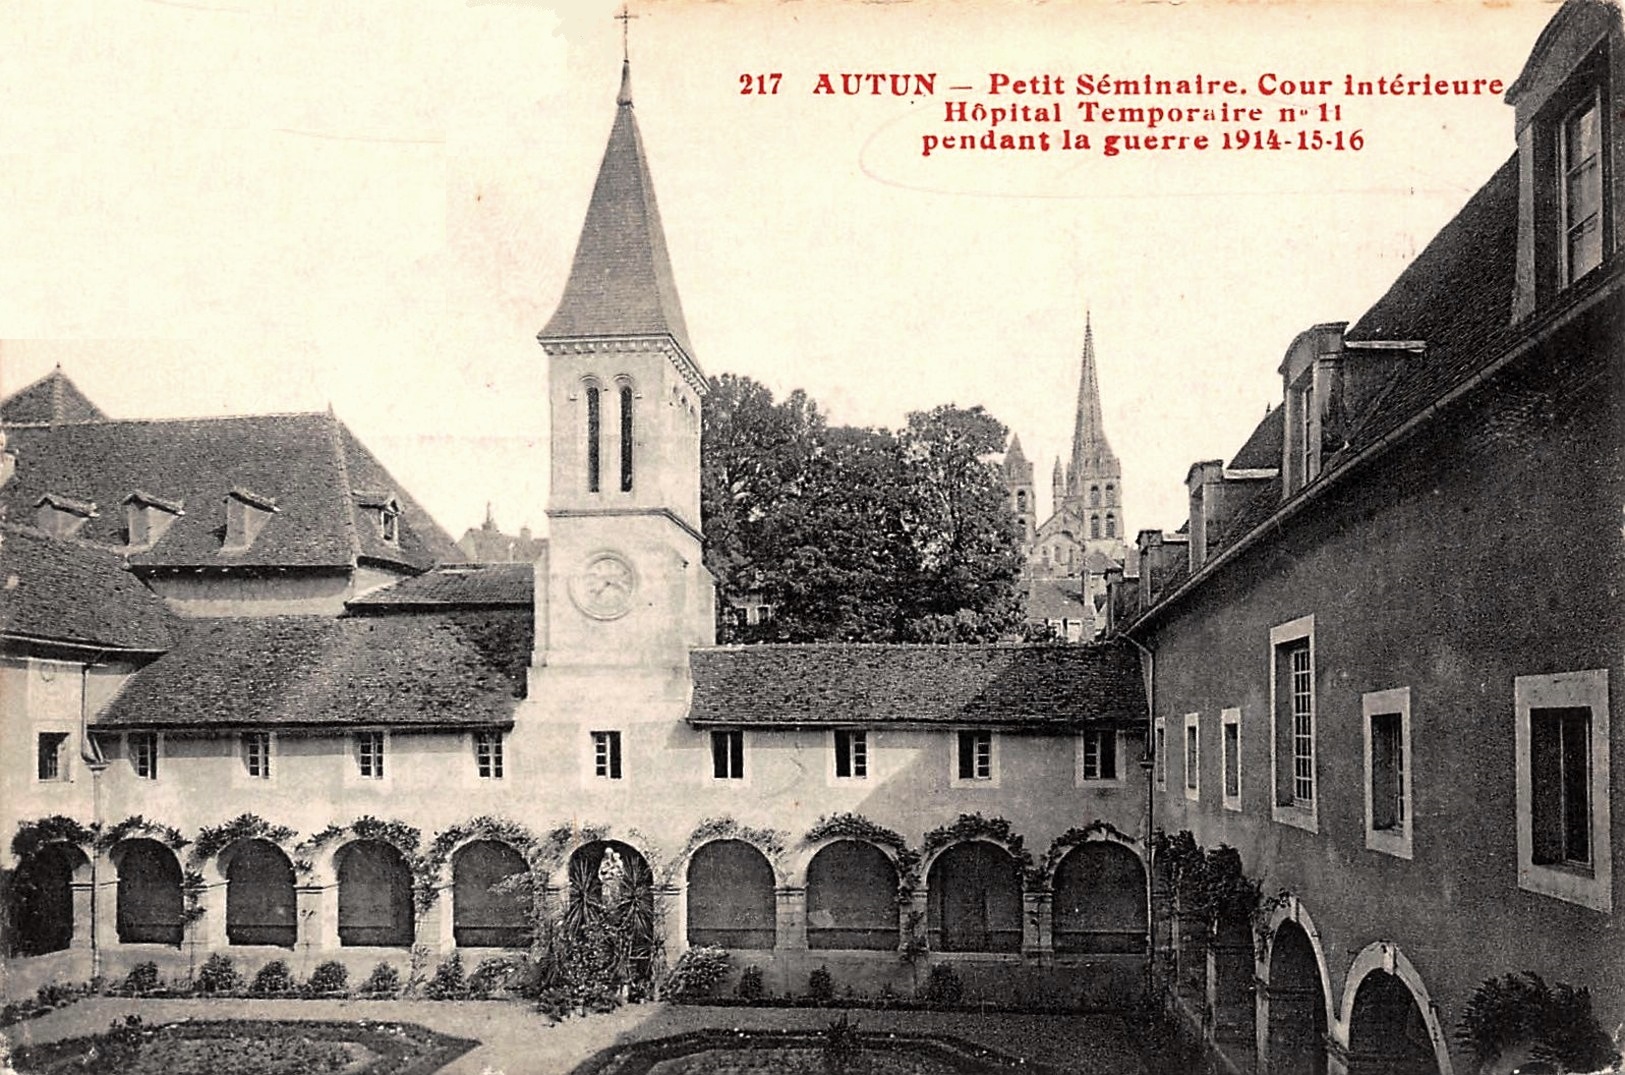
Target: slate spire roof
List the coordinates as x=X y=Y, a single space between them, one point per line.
x=51 y=400
x=1090 y=451
x=621 y=281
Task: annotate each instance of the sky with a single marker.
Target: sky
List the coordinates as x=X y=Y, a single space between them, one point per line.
x=249 y=206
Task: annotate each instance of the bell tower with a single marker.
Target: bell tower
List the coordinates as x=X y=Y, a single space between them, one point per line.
x=625 y=581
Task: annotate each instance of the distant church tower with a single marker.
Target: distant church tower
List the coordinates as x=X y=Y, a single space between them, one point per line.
x=1094 y=477
x=1018 y=479
x=626 y=588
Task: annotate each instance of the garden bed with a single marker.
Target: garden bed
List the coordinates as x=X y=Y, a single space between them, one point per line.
x=783 y=1052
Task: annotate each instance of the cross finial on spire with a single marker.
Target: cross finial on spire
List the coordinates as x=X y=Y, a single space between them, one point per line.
x=625 y=18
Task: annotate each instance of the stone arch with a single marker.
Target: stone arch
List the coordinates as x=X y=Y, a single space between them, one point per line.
x=1099 y=899
x=261 y=906
x=974 y=898
x=1296 y=1015
x=1391 y=1022
x=480 y=916
x=375 y=895
x=41 y=898
x=731 y=900
x=852 y=897
x=150 y=905
x=624 y=884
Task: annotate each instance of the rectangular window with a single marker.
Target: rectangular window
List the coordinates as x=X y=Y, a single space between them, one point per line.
x=976 y=755
x=1161 y=757
x=1564 y=812
x=143 y=747
x=369 y=754
x=1100 y=754
x=257 y=754
x=51 y=755
x=728 y=755
x=1388 y=808
x=606 y=755
x=1193 y=756
x=1581 y=192
x=1230 y=748
x=851 y=755
x=1292 y=724
x=488 y=755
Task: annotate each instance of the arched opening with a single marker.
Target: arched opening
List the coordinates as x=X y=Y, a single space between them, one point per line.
x=974 y=900
x=150 y=904
x=1111 y=525
x=626 y=438
x=1387 y=1034
x=1235 y=1016
x=480 y=915
x=1297 y=1005
x=852 y=898
x=1111 y=494
x=1094 y=496
x=41 y=900
x=595 y=437
x=611 y=892
x=260 y=903
x=1099 y=900
x=1021 y=501
x=1094 y=526
x=375 y=895
x=730 y=896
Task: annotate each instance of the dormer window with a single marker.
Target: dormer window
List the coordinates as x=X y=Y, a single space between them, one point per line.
x=1579 y=154
x=386 y=514
x=62 y=516
x=147 y=517
x=389 y=524
x=246 y=515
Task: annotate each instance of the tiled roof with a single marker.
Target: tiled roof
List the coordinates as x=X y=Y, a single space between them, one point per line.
x=66 y=591
x=430 y=669
x=308 y=464
x=878 y=684
x=1263 y=448
x=621 y=281
x=458 y=585
x=1056 y=599
x=53 y=398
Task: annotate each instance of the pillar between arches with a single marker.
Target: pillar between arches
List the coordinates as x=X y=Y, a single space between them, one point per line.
x=671 y=907
x=1337 y=1056
x=791 y=912
x=95 y=914
x=318 y=916
x=210 y=929
x=435 y=923
x=1037 y=925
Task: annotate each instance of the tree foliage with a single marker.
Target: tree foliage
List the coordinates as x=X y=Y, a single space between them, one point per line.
x=857 y=534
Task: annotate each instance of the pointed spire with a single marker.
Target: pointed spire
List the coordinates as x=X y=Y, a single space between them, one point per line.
x=1090 y=450
x=1014 y=451
x=621 y=281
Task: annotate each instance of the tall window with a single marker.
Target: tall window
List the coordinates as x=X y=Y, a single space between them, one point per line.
x=851 y=754
x=1307 y=455
x=1230 y=749
x=1564 y=809
x=52 y=747
x=595 y=433
x=1193 y=756
x=1094 y=496
x=143 y=747
x=1094 y=526
x=1292 y=725
x=1161 y=752
x=1100 y=754
x=257 y=754
x=1580 y=158
x=369 y=754
x=1387 y=772
x=976 y=755
x=626 y=438
x=1111 y=525
x=1021 y=501
x=1111 y=493
x=728 y=755
x=606 y=755
x=488 y=755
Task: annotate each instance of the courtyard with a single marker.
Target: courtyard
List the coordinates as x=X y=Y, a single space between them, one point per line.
x=515 y=1040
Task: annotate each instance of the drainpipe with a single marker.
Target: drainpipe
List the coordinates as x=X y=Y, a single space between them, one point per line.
x=1148 y=764
x=97 y=765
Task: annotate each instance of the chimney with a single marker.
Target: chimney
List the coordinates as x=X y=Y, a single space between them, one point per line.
x=8 y=460
x=147 y=518
x=1149 y=542
x=1203 y=481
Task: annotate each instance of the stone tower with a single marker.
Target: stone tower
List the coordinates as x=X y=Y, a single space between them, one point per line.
x=1018 y=480
x=626 y=588
x=1094 y=477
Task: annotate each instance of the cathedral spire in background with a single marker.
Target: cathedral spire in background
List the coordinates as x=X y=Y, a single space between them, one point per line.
x=1091 y=453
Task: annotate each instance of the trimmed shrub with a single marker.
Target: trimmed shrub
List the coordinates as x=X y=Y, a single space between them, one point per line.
x=384 y=981
x=492 y=975
x=329 y=977
x=273 y=979
x=143 y=978
x=821 y=985
x=448 y=982
x=750 y=984
x=218 y=975
x=696 y=973
x=943 y=987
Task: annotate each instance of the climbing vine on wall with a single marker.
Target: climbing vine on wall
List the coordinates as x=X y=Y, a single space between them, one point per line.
x=32 y=835
x=397 y=834
x=1209 y=883
x=768 y=841
x=1039 y=877
x=428 y=866
x=849 y=826
x=976 y=827
x=136 y=825
x=216 y=838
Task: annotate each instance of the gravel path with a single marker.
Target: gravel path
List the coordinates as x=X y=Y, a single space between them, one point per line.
x=517 y=1041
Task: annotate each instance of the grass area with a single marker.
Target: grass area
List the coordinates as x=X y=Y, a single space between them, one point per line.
x=247 y=1047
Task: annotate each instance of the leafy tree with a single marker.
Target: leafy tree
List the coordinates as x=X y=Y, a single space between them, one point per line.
x=856 y=534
